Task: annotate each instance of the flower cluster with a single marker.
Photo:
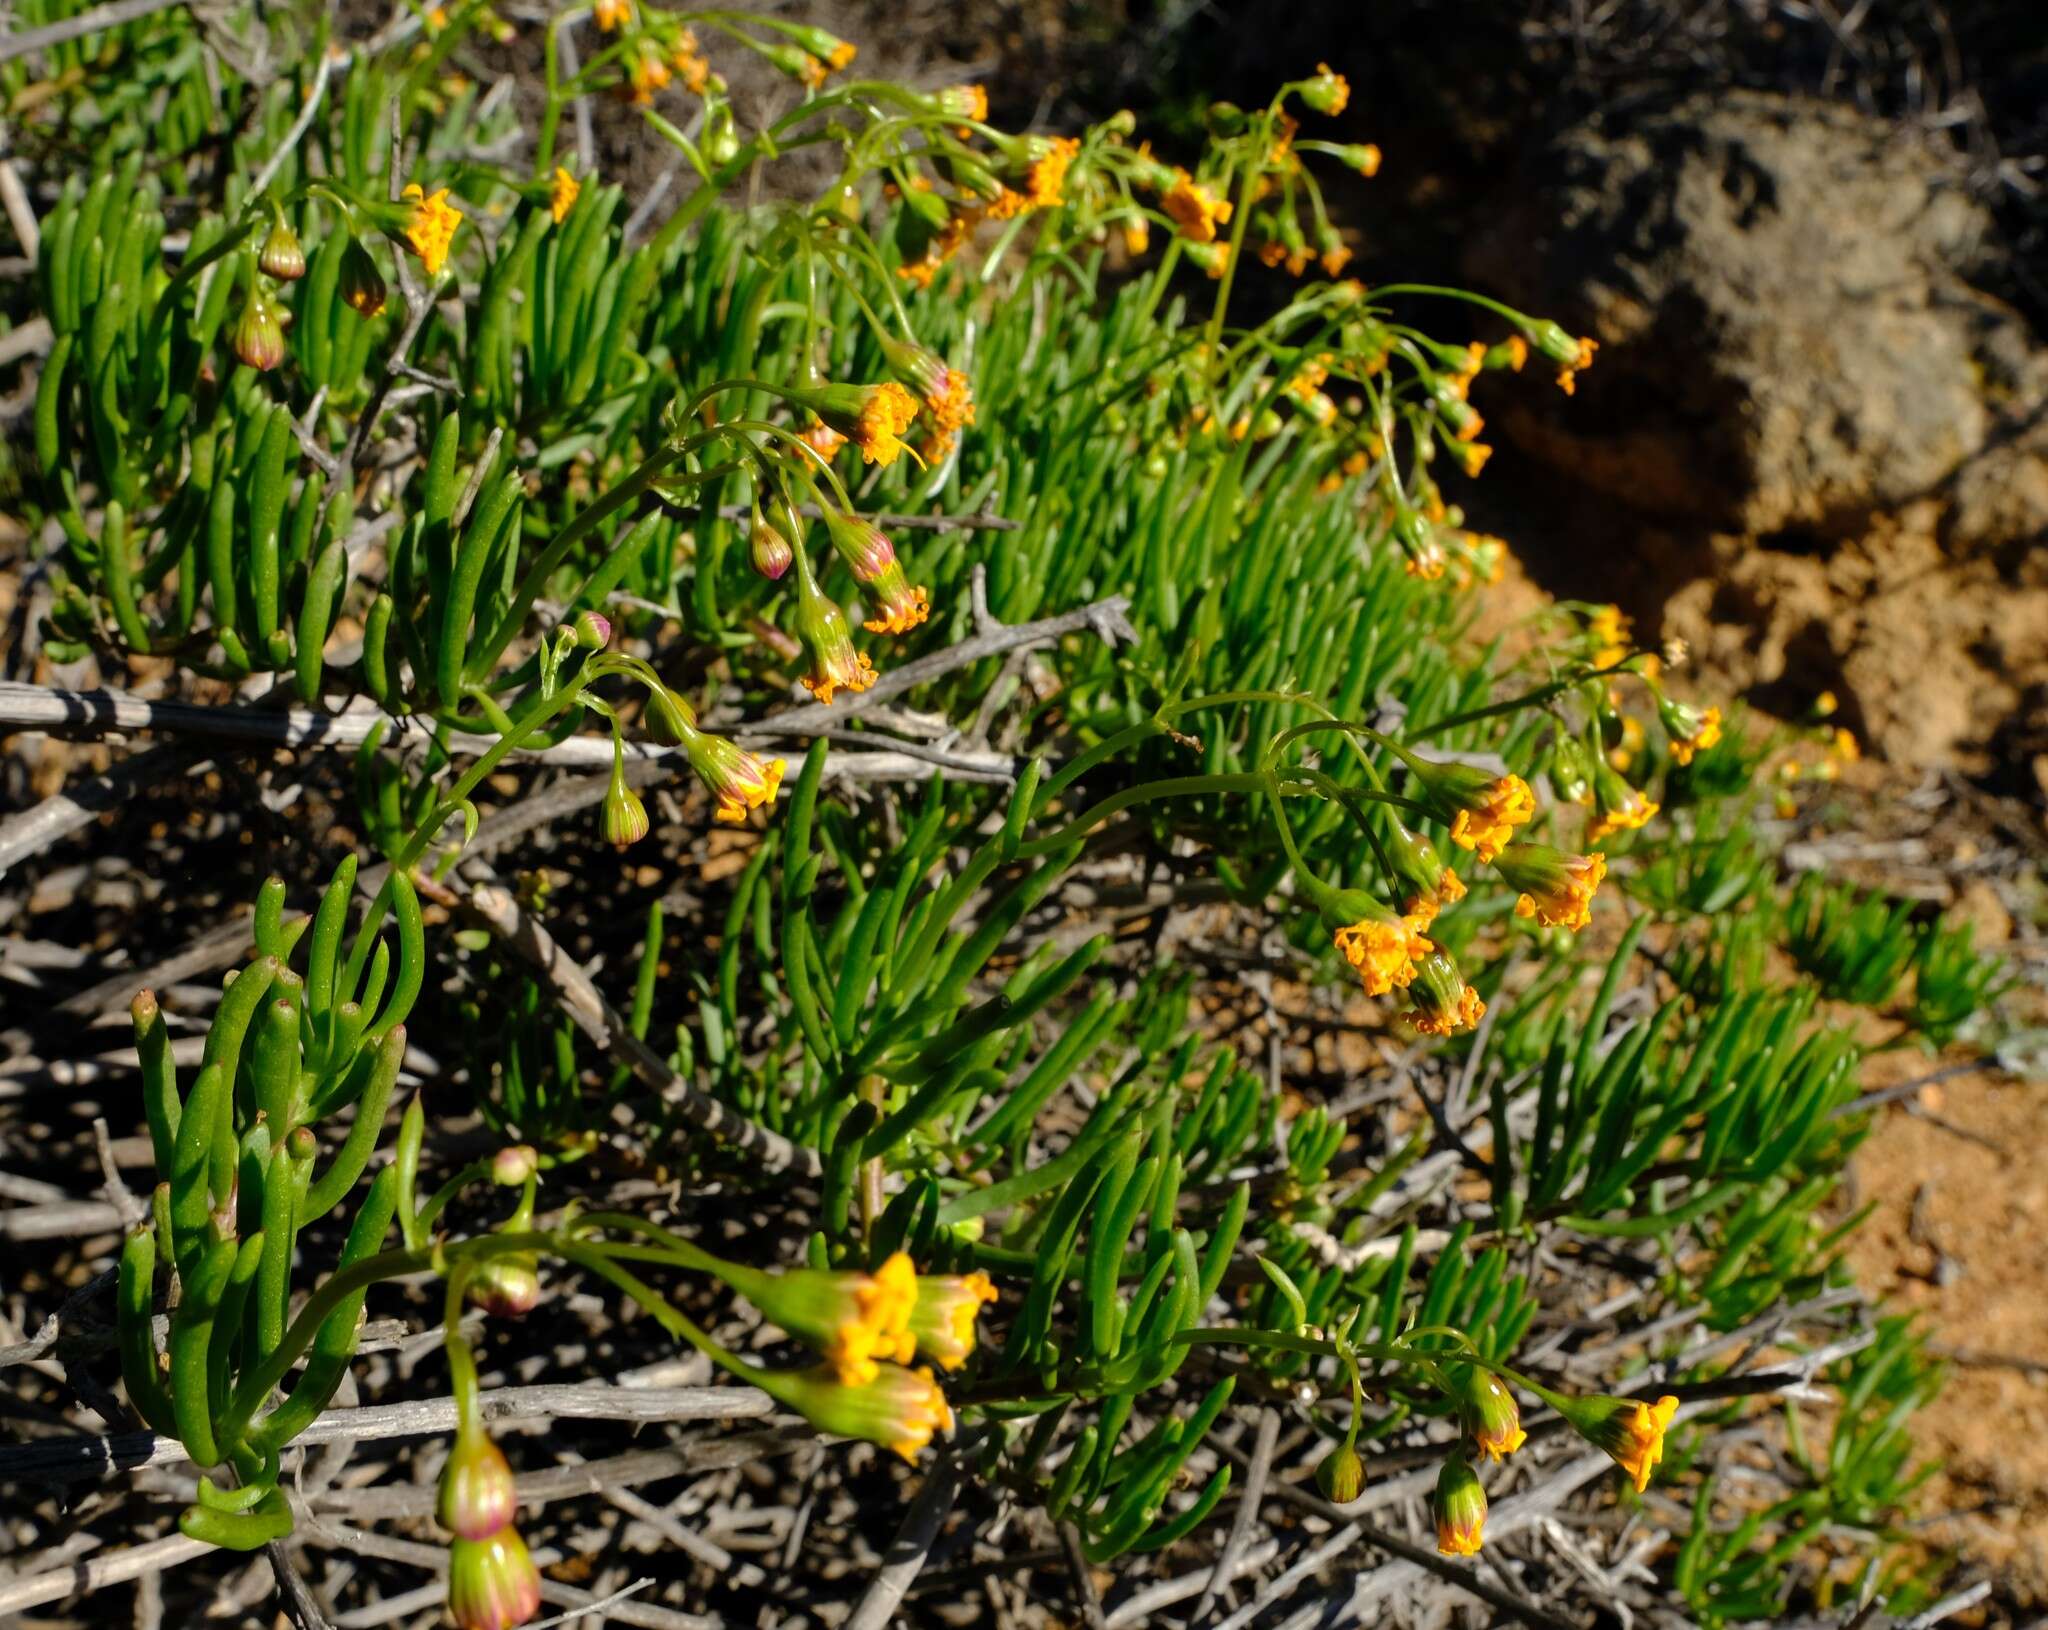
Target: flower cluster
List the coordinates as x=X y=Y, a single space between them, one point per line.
x=1628 y=1430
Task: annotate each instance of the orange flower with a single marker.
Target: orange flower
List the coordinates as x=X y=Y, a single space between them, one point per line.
x=562 y=194
x=1194 y=211
x=1382 y=947
x=431 y=227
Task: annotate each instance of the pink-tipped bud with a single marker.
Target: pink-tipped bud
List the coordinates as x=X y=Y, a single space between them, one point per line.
x=492 y=1582
x=258 y=338
x=281 y=256
x=514 y=1165
x=625 y=816
x=771 y=551
x=593 y=631
x=478 y=1496
x=506 y=1287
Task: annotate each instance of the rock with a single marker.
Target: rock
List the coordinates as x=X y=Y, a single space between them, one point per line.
x=1788 y=343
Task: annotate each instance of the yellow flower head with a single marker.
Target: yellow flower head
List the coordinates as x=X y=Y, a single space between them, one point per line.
x=897 y=1407
x=1044 y=181
x=610 y=15
x=562 y=194
x=1845 y=746
x=1384 y=949
x=1444 y=1004
x=1194 y=211
x=431 y=227
x=647 y=71
x=1608 y=627
x=884 y=416
x=1627 y=1429
x=1328 y=93
x=1619 y=807
x=1137 y=235
x=1568 y=377
x=1485 y=825
x=943 y=1320
x=1556 y=888
x=742 y=781
x=1689 y=730
x=875 y=1324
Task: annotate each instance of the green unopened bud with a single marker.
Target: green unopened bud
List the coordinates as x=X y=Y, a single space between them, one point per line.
x=625 y=816
x=362 y=286
x=1226 y=118
x=513 y=1165
x=721 y=139
x=1571 y=770
x=281 y=256
x=593 y=631
x=478 y=1496
x=1459 y=1508
x=492 y=1582
x=258 y=338
x=506 y=1287
x=1340 y=1474
x=770 y=551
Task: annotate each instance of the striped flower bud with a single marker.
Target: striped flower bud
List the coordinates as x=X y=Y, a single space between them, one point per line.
x=492 y=1582
x=1459 y=1508
x=1488 y=1410
x=477 y=1495
x=281 y=256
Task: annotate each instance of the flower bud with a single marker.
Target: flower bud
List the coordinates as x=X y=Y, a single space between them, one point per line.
x=1459 y=1508
x=258 y=338
x=513 y=1165
x=625 y=816
x=593 y=631
x=1571 y=770
x=506 y=1287
x=721 y=143
x=281 y=256
x=1328 y=93
x=492 y=1582
x=770 y=551
x=477 y=1495
x=362 y=286
x=1340 y=1475
x=1488 y=1410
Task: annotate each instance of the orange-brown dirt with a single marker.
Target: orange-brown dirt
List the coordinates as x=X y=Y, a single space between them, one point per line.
x=1959 y=1236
